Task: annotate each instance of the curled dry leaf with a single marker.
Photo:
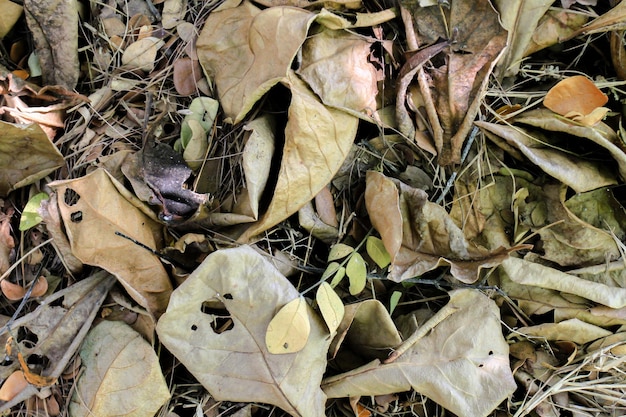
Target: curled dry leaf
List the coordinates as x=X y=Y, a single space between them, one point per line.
x=240 y=288
x=122 y=375
x=575 y=95
x=463 y=367
x=16 y=292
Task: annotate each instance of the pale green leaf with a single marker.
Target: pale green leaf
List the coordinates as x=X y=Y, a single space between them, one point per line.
x=376 y=250
x=339 y=251
x=30 y=215
x=393 y=300
x=356 y=269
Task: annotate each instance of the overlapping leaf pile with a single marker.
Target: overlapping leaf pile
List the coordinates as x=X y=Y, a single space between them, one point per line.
x=322 y=208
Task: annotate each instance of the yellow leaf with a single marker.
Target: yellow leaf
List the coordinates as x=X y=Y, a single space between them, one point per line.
x=338 y=251
x=357 y=273
x=289 y=329
x=330 y=306
x=376 y=250
x=11 y=12
x=334 y=268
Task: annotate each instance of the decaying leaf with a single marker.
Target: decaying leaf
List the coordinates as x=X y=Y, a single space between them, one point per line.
x=216 y=323
x=430 y=238
x=58 y=325
x=463 y=367
x=453 y=90
x=242 y=67
x=317 y=140
x=289 y=329
x=92 y=206
x=26 y=155
x=122 y=375
x=54 y=25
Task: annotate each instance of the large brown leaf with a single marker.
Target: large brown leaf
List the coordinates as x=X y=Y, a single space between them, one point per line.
x=453 y=89
x=234 y=363
x=93 y=210
x=430 y=238
x=462 y=366
x=256 y=54
x=317 y=140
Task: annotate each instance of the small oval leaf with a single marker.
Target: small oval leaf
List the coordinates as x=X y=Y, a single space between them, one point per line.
x=339 y=251
x=376 y=250
x=330 y=306
x=357 y=273
x=289 y=329
x=393 y=301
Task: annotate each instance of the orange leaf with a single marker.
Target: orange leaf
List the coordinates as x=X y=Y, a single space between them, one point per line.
x=575 y=94
x=13 y=385
x=33 y=378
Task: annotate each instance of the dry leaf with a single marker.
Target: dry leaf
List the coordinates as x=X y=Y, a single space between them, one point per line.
x=173 y=13
x=122 y=375
x=11 y=12
x=54 y=25
x=520 y=19
x=289 y=329
x=12 y=386
x=330 y=306
x=26 y=155
x=573 y=330
x=92 y=206
x=317 y=140
x=453 y=90
x=430 y=238
x=142 y=53
x=461 y=366
x=577 y=94
x=238 y=286
x=187 y=73
x=336 y=65
x=240 y=64
x=7 y=243
x=554 y=27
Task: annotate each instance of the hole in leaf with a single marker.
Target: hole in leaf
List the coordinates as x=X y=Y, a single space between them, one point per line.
x=194 y=327
x=76 y=217
x=28 y=338
x=228 y=296
x=221 y=320
x=38 y=361
x=490 y=352
x=6 y=361
x=70 y=197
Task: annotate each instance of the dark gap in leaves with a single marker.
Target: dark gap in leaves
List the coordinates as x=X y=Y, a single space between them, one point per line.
x=38 y=361
x=76 y=217
x=70 y=197
x=221 y=319
x=58 y=302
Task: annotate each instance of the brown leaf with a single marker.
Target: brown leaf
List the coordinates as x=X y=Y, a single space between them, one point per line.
x=430 y=238
x=92 y=206
x=577 y=94
x=187 y=73
x=461 y=366
x=256 y=55
x=453 y=89
x=121 y=377
x=26 y=155
x=238 y=286
x=7 y=243
x=54 y=25
x=317 y=140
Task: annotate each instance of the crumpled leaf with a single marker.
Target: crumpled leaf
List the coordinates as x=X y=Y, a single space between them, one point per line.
x=239 y=63
x=317 y=140
x=122 y=375
x=59 y=325
x=520 y=19
x=453 y=90
x=234 y=364
x=461 y=366
x=157 y=174
x=430 y=238
x=335 y=64
x=537 y=275
x=543 y=150
x=26 y=155
x=54 y=25
x=92 y=206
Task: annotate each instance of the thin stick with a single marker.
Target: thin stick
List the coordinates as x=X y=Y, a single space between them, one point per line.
x=440 y=316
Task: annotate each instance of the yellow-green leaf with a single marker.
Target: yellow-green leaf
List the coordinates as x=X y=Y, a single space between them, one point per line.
x=330 y=306
x=30 y=216
x=357 y=273
x=393 y=300
x=334 y=268
x=376 y=250
x=289 y=329
x=338 y=251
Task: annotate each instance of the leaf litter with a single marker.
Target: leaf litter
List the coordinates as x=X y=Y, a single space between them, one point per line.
x=306 y=208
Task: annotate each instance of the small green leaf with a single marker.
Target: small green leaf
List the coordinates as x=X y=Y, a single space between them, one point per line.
x=339 y=251
x=357 y=273
x=30 y=215
x=393 y=301
x=376 y=250
x=334 y=268
x=330 y=306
